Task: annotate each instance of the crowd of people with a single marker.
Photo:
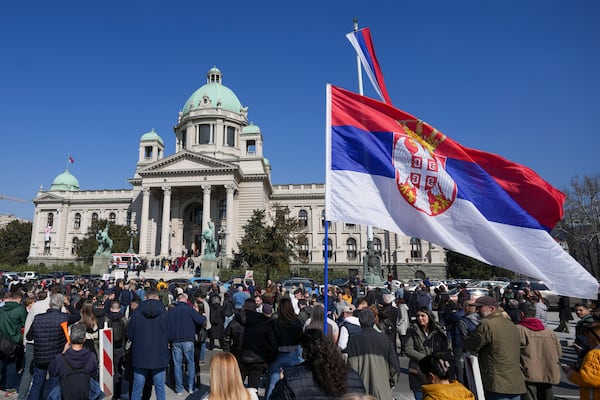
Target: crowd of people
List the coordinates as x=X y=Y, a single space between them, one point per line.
x=346 y=343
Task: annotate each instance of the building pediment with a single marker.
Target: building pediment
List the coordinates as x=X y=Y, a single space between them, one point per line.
x=186 y=162
x=48 y=198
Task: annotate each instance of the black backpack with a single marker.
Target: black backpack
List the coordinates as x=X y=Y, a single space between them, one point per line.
x=75 y=383
x=118 y=328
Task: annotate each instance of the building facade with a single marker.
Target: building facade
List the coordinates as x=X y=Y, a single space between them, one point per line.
x=217 y=173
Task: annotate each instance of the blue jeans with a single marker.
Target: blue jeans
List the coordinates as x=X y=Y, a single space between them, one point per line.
x=202 y=351
x=283 y=360
x=40 y=389
x=181 y=350
x=139 y=378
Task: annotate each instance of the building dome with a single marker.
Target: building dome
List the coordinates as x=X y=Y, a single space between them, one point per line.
x=251 y=129
x=65 y=182
x=216 y=92
x=151 y=136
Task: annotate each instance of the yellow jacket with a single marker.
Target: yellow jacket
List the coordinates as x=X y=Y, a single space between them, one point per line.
x=588 y=376
x=452 y=391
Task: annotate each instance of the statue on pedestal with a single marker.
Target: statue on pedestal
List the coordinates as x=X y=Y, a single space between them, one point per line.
x=105 y=243
x=210 y=244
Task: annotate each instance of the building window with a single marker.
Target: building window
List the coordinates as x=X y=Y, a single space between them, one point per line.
x=47 y=246
x=196 y=215
x=77 y=221
x=94 y=219
x=230 y=136
x=350 y=227
x=415 y=248
x=251 y=147
x=50 y=221
x=75 y=246
x=303 y=248
x=377 y=246
x=204 y=134
x=351 y=249
x=128 y=218
x=329 y=248
x=303 y=218
x=147 y=152
x=183 y=139
x=223 y=209
x=112 y=217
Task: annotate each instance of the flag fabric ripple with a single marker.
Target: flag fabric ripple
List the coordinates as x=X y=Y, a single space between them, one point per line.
x=388 y=169
x=362 y=43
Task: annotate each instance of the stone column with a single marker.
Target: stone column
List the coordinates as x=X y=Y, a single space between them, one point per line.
x=205 y=206
x=144 y=221
x=166 y=221
x=229 y=238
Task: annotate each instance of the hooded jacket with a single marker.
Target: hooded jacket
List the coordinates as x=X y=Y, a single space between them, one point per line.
x=149 y=335
x=183 y=320
x=540 y=352
x=12 y=320
x=452 y=391
x=81 y=359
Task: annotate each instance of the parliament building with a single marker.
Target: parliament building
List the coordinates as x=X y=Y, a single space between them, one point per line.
x=217 y=172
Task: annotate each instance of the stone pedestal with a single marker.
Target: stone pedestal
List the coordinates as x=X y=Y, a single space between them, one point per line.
x=208 y=267
x=101 y=263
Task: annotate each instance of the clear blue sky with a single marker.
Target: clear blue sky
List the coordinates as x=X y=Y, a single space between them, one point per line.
x=516 y=78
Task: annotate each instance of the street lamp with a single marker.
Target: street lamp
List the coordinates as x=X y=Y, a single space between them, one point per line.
x=131 y=233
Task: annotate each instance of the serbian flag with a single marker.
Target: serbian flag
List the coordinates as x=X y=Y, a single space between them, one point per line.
x=388 y=169
x=362 y=43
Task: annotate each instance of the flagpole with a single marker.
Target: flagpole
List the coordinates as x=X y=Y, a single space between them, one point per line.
x=326 y=277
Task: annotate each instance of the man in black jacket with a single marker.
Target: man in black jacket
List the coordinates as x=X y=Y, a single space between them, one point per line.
x=49 y=338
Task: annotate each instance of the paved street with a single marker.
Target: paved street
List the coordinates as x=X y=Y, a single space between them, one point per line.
x=565 y=390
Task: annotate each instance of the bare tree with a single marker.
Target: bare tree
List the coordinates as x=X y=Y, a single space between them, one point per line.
x=580 y=225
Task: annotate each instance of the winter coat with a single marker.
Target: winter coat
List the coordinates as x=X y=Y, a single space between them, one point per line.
x=540 y=352
x=12 y=321
x=256 y=330
x=497 y=342
x=373 y=356
x=452 y=391
x=149 y=335
x=217 y=321
x=183 y=320
x=564 y=309
x=81 y=359
x=48 y=336
x=299 y=383
x=419 y=345
x=403 y=319
x=588 y=376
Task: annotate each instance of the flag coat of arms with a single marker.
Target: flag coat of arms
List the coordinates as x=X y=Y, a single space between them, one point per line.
x=388 y=169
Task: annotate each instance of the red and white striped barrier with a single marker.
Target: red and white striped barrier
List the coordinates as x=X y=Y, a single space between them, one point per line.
x=105 y=361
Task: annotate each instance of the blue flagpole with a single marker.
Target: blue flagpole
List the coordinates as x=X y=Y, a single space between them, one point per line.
x=326 y=275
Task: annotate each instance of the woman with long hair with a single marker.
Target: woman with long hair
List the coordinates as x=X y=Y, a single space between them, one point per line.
x=323 y=374
x=317 y=321
x=436 y=370
x=88 y=319
x=423 y=338
x=283 y=341
x=226 y=381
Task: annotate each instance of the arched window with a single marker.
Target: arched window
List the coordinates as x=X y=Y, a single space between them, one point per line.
x=303 y=218
x=323 y=218
x=50 y=221
x=329 y=248
x=223 y=209
x=77 y=221
x=303 y=248
x=196 y=215
x=415 y=248
x=94 y=218
x=112 y=217
x=377 y=246
x=351 y=249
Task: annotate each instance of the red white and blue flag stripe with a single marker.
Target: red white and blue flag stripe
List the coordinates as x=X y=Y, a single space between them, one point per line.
x=388 y=169
x=362 y=43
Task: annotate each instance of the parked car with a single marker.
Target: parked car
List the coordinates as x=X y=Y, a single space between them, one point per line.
x=549 y=297
x=475 y=293
x=202 y=281
x=294 y=282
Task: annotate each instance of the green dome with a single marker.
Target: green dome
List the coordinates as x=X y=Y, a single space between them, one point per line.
x=267 y=162
x=216 y=92
x=251 y=129
x=65 y=182
x=151 y=136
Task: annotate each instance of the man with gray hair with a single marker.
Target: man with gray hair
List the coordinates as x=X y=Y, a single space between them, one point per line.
x=373 y=356
x=48 y=332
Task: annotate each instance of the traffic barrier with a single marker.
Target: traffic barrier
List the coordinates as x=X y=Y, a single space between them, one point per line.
x=105 y=360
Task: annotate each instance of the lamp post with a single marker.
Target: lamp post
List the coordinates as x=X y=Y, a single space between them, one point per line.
x=131 y=233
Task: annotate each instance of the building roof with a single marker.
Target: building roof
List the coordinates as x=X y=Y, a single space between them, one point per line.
x=65 y=182
x=219 y=94
x=151 y=136
x=251 y=129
